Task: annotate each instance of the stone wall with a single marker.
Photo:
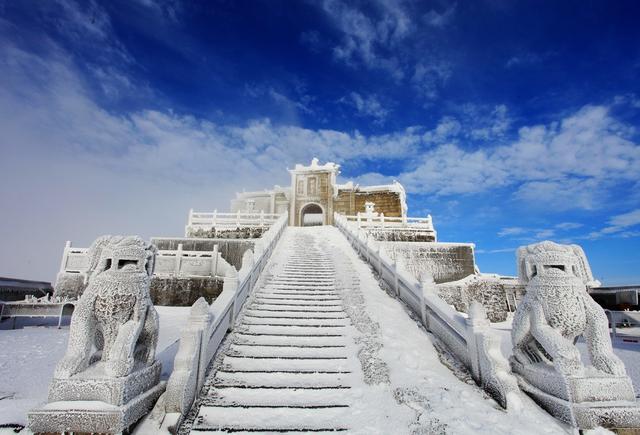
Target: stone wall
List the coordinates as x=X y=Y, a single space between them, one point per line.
x=224 y=233
x=312 y=188
x=349 y=202
x=499 y=295
x=400 y=235
x=183 y=291
x=388 y=203
x=344 y=203
x=444 y=261
x=231 y=250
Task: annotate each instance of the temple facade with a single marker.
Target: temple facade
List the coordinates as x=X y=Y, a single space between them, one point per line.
x=314 y=195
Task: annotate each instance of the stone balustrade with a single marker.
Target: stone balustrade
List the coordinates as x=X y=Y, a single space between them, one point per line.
x=468 y=338
x=206 y=328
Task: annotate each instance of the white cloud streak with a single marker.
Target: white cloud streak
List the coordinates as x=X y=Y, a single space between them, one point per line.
x=620 y=226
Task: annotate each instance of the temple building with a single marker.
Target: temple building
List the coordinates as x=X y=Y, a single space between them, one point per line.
x=314 y=195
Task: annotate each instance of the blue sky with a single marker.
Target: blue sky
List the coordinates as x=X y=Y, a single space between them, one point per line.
x=510 y=122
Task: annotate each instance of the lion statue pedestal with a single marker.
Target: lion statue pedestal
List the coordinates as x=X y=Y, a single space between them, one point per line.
x=109 y=377
x=555 y=312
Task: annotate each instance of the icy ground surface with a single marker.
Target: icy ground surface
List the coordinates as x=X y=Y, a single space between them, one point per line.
x=398 y=382
x=28 y=356
x=382 y=373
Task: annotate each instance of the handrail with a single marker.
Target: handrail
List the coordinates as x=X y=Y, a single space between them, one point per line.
x=207 y=327
x=470 y=339
x=225 y=221
x=169 y=262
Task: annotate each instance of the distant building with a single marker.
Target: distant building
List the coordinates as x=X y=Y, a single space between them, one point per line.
x=617 y=297
x=13 y=289
x=314 y=195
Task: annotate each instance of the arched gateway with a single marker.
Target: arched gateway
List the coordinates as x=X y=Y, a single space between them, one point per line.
x=311 y=214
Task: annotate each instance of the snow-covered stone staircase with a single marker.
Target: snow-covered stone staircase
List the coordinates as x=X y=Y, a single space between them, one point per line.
x=288 y=366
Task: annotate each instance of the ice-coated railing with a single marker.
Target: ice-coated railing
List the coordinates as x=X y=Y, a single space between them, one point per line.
x=220 y=221
x=380 y=220
x=381 y=223
x=206 y=327
x=169 y=263
x=469 y=339
x=624 y=325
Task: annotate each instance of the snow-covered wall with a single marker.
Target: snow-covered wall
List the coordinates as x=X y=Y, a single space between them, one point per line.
x=498 y=295
x=184 y=291
x=444 y=261
x=230 y=249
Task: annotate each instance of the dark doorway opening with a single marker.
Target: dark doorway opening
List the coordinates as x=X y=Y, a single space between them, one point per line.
x=311 y=215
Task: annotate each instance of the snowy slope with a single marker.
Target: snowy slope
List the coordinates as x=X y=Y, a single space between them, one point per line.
x=362 y=364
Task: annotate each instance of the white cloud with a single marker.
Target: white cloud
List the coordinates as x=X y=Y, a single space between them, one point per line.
x=493 y=126
x=544 y=234
x=533 y=234
x=620 y=226
x=626 y=220
x=567 y=226
x=364 y=38
x=439 y=19
x=429 y=75
x=368 y=106
x=574 y=163
x=390 y=36
x=512 y=231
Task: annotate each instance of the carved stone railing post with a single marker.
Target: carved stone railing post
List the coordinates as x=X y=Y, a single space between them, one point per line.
x=426 y=284
x=214 y=260
x=178 y=260
x=395 y=277
x=489 y=367
x=230 y=284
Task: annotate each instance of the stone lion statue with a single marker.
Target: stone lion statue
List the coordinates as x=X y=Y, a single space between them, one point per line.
x=114 y=321
x=557 y=309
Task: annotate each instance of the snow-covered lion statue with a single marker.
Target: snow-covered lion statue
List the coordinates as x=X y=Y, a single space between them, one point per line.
x=557 y=310
x=115 y=314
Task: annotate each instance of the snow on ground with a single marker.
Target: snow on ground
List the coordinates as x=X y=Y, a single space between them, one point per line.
x=439 y=401
x=30 y=353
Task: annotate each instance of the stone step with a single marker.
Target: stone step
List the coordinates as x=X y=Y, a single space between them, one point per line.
x=276 y=309
x=294 y=397
x=299 y=308
x=299 y=282
x=250 y=320
x=311 y=298
x=297 y=303
x=228 y=419
x=258 y=314
x=292 y=329
x=300 y=287
x=298 y=340
x=260 y=365
x=286 y=352
x=281 y=380
x=292 y=292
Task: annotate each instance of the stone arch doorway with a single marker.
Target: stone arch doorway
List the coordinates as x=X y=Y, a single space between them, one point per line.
x=311 y=214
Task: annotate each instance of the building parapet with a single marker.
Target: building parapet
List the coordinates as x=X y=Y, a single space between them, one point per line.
x=219 y=222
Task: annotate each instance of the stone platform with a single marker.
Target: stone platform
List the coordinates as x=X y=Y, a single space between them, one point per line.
x=93 y=415
x=583 y=401
x=94 y=385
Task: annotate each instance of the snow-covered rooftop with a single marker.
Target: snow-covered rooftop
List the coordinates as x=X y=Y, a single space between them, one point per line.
x=315 y=166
